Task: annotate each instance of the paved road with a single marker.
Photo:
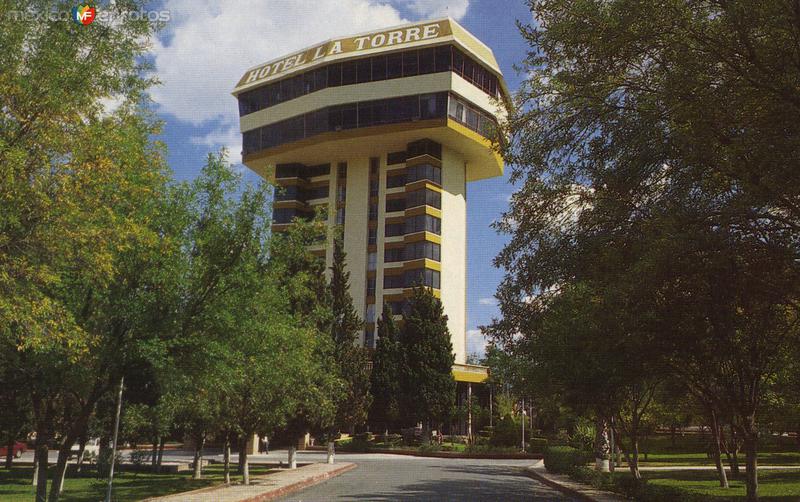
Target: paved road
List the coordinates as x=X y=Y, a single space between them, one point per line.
x=400 y=478
x=381 y=477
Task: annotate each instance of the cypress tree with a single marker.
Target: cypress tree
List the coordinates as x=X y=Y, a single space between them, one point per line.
x=428 y=386
x=387 y=366
x=352 y=360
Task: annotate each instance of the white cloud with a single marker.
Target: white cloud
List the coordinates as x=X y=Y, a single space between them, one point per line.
x=487 y=301
x=476 y=342
x=439 y=8
x=227 y=136
x=208 y=45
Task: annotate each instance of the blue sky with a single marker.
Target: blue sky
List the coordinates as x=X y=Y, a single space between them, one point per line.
x=206 y=46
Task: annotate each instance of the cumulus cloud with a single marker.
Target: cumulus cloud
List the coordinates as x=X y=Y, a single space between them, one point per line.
x=487 y=301
x=439 y=8
x=207 y=45
x=476 y=342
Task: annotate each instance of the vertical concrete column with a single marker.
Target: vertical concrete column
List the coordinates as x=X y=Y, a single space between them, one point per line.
x=356 y=230
x=454 y=249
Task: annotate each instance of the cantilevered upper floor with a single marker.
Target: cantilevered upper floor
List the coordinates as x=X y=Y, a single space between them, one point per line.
x=375 y=92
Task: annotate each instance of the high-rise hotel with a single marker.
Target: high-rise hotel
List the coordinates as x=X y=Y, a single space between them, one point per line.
x=385 y=129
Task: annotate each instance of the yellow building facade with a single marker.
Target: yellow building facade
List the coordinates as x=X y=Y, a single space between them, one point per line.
x=384 y=130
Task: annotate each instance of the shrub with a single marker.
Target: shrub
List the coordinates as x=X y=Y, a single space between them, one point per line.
x=589 y=476
x=537 y=445
x=563 y=459
x=506 y=433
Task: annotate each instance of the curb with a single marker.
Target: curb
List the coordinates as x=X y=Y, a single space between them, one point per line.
x=273 y=494
x=587 y=494
x=300 y=485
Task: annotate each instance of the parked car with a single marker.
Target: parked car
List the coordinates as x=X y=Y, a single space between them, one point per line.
x=92 y=446
x=19 y=449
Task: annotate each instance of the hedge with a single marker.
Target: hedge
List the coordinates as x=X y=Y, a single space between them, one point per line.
x=564 y=459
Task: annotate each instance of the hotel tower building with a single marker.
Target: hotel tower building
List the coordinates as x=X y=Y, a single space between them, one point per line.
x=384 y=129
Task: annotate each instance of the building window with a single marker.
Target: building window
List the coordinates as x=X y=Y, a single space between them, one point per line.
x=422 y=277
x=373 y=237
x=373 y=211
x=391 y=255
x=370 y=69
x=369 y=318
x=424 y=172
x=395 y=205
x=394 y=229
x=424 y=197
x=370 y=288
x=395 y=158
x=372 y=261
x=396 y=180
x=423 y=222
x=340 y=216
x=393 y=281
x=422 y=249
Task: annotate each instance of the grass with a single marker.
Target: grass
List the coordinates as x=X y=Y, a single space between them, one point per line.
x=684 y=459
x=774 y=486
x=15 y=485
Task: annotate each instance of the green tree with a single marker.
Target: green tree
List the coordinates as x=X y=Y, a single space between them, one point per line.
x=662 y=142
x=429 y=389
x=354 y=401
x=388 y=364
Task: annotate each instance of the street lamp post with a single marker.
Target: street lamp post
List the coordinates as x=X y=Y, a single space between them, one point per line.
x=523 y=425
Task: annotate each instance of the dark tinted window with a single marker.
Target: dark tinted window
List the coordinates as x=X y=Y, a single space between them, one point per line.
x=394 y=65
x=349 y=72
x=443 y=58
x=426 y=61
x=334 y=75
x=364 y=70
x=410 y=64
x=394 y=229
x=395 y=205
x=379 y=68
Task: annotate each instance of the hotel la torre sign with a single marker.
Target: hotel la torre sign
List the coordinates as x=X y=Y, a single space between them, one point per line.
x=346 y=47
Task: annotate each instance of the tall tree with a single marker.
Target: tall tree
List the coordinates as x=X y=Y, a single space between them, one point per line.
x=642 y=137
x=352 y=359
x=429 y=389
x=388 y=363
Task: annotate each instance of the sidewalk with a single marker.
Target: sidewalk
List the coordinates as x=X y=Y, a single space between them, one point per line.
x=263 y=488
x=566 y=485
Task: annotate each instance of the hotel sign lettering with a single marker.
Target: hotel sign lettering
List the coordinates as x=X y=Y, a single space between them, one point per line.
x=377 y=40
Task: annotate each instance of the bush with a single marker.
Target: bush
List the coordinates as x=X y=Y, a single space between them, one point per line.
x=564 y=459
x=589 y=476
x=537 y=445
x=506 y=432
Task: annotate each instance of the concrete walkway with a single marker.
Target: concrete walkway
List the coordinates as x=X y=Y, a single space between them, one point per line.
x=564 y=483
x=262 y=488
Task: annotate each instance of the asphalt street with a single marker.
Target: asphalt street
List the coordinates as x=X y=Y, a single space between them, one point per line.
x=381 y=477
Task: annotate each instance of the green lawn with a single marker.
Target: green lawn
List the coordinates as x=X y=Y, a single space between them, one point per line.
x=681 y=459
x=774 y=486
x=15 y=485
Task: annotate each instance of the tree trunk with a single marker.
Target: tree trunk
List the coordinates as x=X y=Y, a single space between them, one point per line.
x=227 y=459
x=198 y=458
x=42 y=438
x=292 y=457
x=240 y=460
x=715 y=429
x=10 y=452
x=81 y=451
x=154 y=455
x=733 y=455
x=56 y=487
x=160 y=454
x=751 y=462
x=633 y=458
x=245 y=466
